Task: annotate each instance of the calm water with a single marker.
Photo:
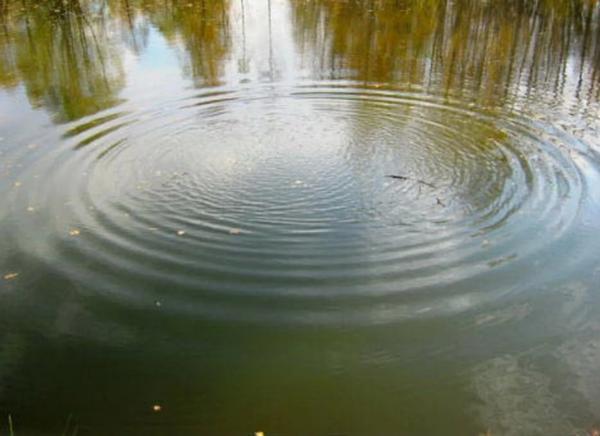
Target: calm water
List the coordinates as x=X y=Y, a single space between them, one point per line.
x=196 y=214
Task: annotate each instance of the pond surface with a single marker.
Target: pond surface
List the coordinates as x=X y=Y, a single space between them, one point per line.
x=199 y=233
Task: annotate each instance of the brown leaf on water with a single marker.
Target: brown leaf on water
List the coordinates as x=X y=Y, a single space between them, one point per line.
x=11 y=276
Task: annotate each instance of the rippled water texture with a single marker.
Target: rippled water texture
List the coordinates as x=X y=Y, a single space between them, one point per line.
x=300 y=217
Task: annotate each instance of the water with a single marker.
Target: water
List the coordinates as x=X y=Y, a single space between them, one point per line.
x=197 y=215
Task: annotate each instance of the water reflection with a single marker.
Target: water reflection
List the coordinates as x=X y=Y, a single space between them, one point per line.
x=63 y=53
x=69 y=54
x=517 y=399
x=198 y=30
x=489 y=50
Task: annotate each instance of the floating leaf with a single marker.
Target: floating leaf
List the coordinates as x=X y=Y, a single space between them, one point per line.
x=11 y=276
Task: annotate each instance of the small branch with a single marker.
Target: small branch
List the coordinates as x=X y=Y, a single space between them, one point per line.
x=422 y=182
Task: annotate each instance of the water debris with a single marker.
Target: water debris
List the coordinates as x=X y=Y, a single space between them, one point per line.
x=17 y=184
x=32 y=146
x=439 y=202
x=501 y=261
x=259 y=433
x=11 y=276
x=156 y=408
x=235 y=231
x=298 y=182
x=421 y=182
x=485 y=243
x=180 y=232
x=157 y=303
x=31 y=209
x=74 y=232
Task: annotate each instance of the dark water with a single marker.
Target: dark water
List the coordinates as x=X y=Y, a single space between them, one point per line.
x=196 y=214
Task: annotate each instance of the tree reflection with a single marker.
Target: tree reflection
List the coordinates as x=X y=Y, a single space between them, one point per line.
x=68 y=54
x=60 y=51
x=492 y=49
x=199 y=28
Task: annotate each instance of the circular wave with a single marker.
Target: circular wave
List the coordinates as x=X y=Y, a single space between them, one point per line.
x=325 y=203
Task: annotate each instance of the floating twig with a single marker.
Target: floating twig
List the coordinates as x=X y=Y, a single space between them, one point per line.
x=422 y=182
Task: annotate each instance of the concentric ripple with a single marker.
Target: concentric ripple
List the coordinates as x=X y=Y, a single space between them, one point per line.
x=276 y=204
